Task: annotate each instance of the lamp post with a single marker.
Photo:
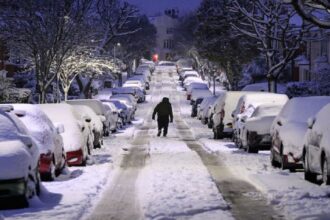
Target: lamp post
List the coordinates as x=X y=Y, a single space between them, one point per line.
x=114 y=50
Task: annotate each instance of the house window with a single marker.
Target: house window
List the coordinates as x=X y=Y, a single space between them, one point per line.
x=168 y=44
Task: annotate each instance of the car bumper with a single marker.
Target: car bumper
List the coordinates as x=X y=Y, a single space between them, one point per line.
x=261 y=141
x=12 y=188
x=75 y=158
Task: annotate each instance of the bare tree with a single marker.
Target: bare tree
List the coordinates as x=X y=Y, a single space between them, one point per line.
x=308 y=9
x=272 y=24
x=44 y=32
x=86 y=65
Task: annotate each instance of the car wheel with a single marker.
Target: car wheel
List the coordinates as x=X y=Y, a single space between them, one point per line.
x=37 y=184
x=250 y=148
x=283 y=164
x=210 y=124
x=325 y=172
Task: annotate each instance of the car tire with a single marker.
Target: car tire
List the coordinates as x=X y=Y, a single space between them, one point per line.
x=325 y=172
x=249 y=147
x=209 y=124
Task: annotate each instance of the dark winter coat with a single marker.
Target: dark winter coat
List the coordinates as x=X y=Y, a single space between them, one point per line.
x=163 y=111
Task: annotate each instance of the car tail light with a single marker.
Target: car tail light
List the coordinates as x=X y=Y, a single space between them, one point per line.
x=45 y=162
x=74 y=157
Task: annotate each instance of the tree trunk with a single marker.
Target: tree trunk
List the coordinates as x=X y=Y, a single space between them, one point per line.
x=272 y=84
x=66 y=91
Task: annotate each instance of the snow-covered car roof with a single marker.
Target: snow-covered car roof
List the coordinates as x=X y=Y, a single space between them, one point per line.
x=166 y=63
x=190 y=72
x=65 y=114
x=258 y=98
x=190 y=80
x=117 y=103
x=84 y=111
x=123 y=90
x=299 y=109
x=15 y=156
x=39 y=125
x=197 y=85
x=267 y=110
x=94 y=104
x=196 y=93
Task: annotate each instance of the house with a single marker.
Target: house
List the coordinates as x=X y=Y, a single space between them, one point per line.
x=165 y=25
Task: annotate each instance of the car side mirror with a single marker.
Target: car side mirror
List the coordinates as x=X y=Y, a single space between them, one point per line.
x=243 y=120
x=279 y=122
x=87 y=119
x=233 y=114
x=59 y=128
x=311 y=122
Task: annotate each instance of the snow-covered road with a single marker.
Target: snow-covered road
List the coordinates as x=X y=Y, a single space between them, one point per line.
x=137 y=175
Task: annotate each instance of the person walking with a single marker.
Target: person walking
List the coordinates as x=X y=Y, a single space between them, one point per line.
x=164 y=115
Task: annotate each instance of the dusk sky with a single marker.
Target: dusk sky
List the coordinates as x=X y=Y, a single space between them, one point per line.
x=151 y=7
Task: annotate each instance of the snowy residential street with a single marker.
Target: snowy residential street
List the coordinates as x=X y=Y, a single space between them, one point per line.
x=186 y=175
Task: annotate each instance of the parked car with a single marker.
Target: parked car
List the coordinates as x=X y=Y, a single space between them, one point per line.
x=140 y=93
x=19 y=167
x=204 y=104
x=76 y=143
x=195 y=106
x=188 y=73
x=134 y=83
x=255 y=133
x=251 y=101
x=316 y=151
x=197 y=93
x=197 y=85
x=129 y=105
x=98 y=108
x=222 y=118
x=207 y=108
x=52 y=158
x=125 y=90
x=93 y=121
x=123 y=110
x=143 y=79
x=289 y=128
x=114 y=116
x=190 y=80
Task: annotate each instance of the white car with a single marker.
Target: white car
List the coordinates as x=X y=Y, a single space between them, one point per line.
x=47 y=137
x=190 y=80
x=222 y=116
x=206 y=108
x=253 y=100
x=133 y=83
x=76 y=143
x=93 y=121
x=195 y=85
x=98 y=108
x=316 y=151
x=19 y=156
x=198 y=93
x=114 y=116
x=289 y=128
x=255 y=132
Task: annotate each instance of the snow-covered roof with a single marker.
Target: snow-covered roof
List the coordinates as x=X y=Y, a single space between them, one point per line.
x=299 y=109
x=94 y=104
x=39 y=126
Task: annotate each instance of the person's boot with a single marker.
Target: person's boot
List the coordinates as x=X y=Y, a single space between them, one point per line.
x=158 y=134
x=164 y=134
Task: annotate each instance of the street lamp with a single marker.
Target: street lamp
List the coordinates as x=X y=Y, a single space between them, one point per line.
x=114 y=50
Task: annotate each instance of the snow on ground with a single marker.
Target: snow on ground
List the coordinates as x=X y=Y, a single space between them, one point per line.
x=175 y=183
